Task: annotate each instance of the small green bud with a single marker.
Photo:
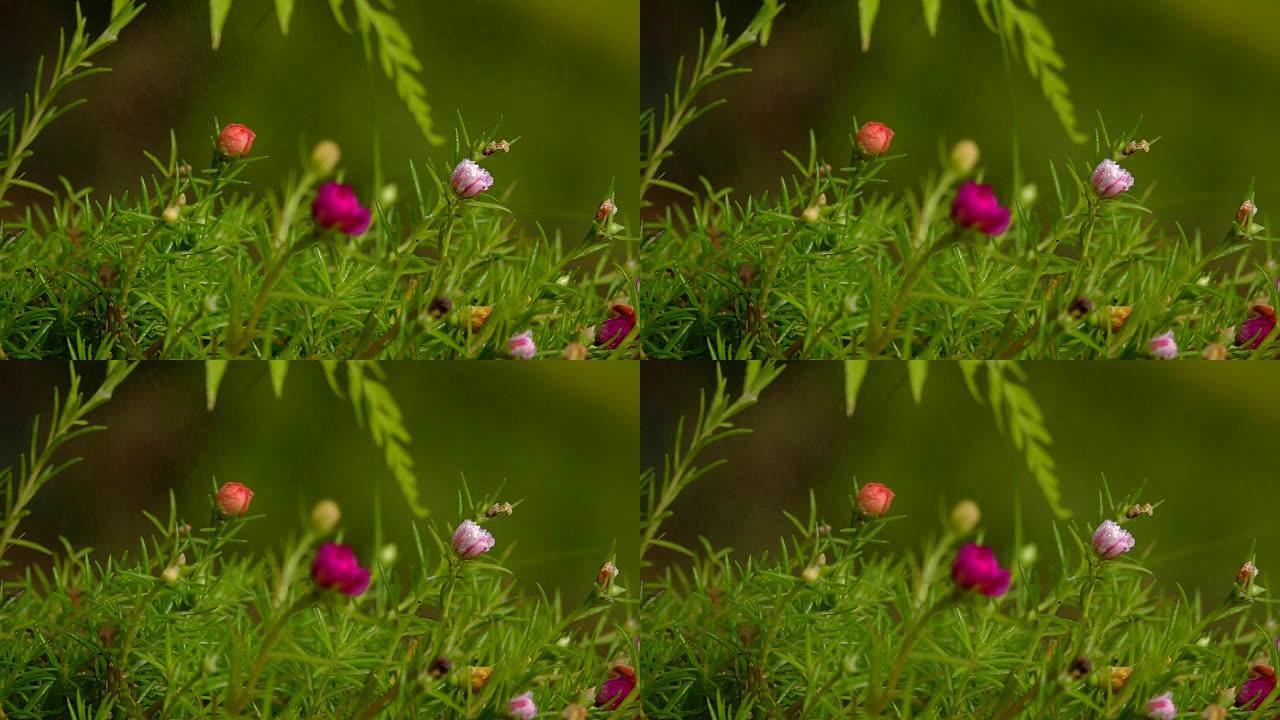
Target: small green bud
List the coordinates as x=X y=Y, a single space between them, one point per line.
x=325 y=516
x=964 y=157
x=325 y=157
x=965 y=517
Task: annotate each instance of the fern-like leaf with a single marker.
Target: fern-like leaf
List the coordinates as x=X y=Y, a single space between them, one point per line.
x=1022 y=28
x=398 y=62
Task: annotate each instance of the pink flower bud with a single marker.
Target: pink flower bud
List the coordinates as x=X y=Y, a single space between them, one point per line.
x=1110 y=180
x=522 y=346
x=873 y=500
x=976 y=206
x=336 y=207
x=233 y=499
x=611 y=332
x=471 y=541
x=1161 y=707
x=615 y=690
x=1110 y=541
x=606 y=210
x=873 y=139
x=1245 y=214
x=469 y=179
x=1163 y=347
x=1251 y=332
x=521 y=707
x=976 y=568
x=235 y=140
x=336 y=568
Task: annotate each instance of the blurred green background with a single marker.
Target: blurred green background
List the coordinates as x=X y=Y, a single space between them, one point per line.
x=1196 y=73
x=1201 y=436
x=561 y=74
x=562 y=437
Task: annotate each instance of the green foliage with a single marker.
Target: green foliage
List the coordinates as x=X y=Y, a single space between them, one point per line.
x=839 y=621
x=197 y=624
x=375 y=20
x=1018 y=27
x=837 y=263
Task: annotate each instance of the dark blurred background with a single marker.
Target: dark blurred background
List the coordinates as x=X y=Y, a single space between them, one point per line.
x=561 y=74
x=562 y=438
x=1201 y=436
x=1198 y=74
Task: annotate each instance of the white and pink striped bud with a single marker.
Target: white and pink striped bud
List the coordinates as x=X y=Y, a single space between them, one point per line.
x=469 y=179
x=471 y=541
x=1110 y=180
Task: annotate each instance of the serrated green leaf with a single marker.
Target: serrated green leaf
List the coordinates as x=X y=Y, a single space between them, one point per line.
x=218 y=10
x=867 y=10
x=855 y=371
x=213 y=372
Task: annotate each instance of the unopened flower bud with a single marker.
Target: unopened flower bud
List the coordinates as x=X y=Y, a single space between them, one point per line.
x=170 y=574
x=1080 y=667
x=608 y=571
x=1161 y=707
x=470 y=540
x=170 y=214
x=1117 y=315
x=478 y=315
x=522 y=346
x=325 y=157
x=502 y=508
x=388 y=553
x=606 y=210
x=1136 y=146
x=873 y=139
x=440 y=667
x=1110 y=180
x=810 y=215
x=1214 y=712
x=210 y=664
x=1245 y=214
x=233 y=499
x=964 y=157
x=873 y=500
x=496 y=146
x=235 y=140
x=1118 y=677
x=477 y=677
x=1110 y=541
x=1163 y=346
x=810 y=574
x=1080 y=307
x=439 y=307
x=574 y=711
x=325 y=516
x=469 y=179
x=1214 y=351
x=574 y=351
x=1140 y=510
x=1246 y=574
x=965 y=517
x=521 y=707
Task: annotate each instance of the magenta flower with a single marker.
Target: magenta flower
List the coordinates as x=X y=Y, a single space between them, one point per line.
x=1110 y=180
x=469 y=179
x=336 y=207
x=471 y=541
x=615 y=690
x=1163 y=347
x=336 y=568
x=976 y=568
x=521 y=707
x=611 y=332
x=1255 y=690
x=1110 y=541
x=976 y=206
x=1251 y=332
